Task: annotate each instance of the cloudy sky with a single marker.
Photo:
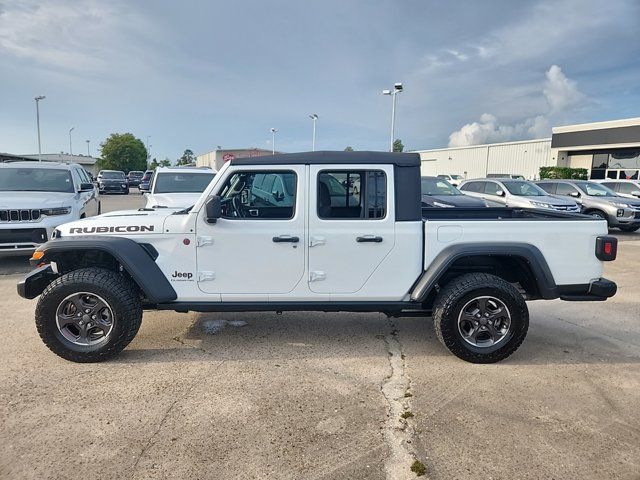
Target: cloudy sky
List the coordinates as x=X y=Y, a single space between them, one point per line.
x=199 y=74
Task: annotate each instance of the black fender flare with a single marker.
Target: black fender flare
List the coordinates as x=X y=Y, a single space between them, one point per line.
x=530 y=253
x=134 y=258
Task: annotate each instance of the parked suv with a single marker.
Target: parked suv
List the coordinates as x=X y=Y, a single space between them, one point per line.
x=134 y=177
x=437 y=192
x=112 y=181
x=599 y=201
x=516 y=193
x=36 y=197
x=624 y=188
x=145 y=181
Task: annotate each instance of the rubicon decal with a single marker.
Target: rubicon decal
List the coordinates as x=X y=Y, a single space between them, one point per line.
x=116 y=229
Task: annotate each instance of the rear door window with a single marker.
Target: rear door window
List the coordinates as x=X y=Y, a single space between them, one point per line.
x=548 y=187
x=352 y=194
x=476 y=187
x=565 y=189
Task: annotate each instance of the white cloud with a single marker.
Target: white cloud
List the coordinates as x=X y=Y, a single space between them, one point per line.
x=561 y=95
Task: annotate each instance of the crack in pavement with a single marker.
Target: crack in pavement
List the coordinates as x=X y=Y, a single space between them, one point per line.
x=398 y=431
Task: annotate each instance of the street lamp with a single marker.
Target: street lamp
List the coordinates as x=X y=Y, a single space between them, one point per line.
x=313 y=117
x=148 y=148
x=88 y=152
x=397 y=88
x=273 y=140
x=70 y=144
x=37 y=99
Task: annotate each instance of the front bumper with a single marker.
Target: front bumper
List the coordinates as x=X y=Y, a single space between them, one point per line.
x=625 y=217
x=36 y=281
x=112 y=187
x=22 y=240
x=596 y=290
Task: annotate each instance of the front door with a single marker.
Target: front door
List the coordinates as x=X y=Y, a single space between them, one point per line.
x=351 y=225
x=257 y=247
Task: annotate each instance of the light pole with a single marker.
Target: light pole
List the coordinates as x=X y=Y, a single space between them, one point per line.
x=397 y=88
x=37 y=99
x=273 y=141
x=313 y=117
x=88 y=152
x=148 y=148
x=70 y=144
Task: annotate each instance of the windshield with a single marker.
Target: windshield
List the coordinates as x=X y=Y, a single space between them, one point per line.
x=433 y=186
x=524 y=189
x=595 y=189
x=35 y=180
x=113 y=175
x=182 y=182
x=136 y=174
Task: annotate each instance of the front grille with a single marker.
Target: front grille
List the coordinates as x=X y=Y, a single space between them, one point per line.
x=19 y=215
x=636 y=215
x=22 y=236
x=565 y=208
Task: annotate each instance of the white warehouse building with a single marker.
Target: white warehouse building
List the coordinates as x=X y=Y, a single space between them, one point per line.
x=606 y=149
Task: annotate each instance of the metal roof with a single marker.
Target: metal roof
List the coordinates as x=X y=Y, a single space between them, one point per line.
x=333 y=158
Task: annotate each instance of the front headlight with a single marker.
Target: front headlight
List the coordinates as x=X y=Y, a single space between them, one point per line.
x=621 y=205
x=442 y=205
x=56 y=211
x=124 y=185
x=541 y=205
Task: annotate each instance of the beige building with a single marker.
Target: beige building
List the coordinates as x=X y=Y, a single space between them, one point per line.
x=607 y=149
x=216 y=158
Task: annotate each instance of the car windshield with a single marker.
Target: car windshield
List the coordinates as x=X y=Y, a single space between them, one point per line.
x=523 y=189
x=595 y=189
x=433 y=186
x=113 y=175
x=35 y=180
x=182 y=182
x=136 y=174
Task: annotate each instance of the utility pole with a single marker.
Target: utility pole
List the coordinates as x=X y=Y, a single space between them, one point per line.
x=88 y=151
x=314 y=118
x=273 y=141
x=70 y=143
x=37 y=99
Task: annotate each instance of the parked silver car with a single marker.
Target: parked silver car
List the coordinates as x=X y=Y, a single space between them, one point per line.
x=599 y=201
x=516 y=193
x=624 y=188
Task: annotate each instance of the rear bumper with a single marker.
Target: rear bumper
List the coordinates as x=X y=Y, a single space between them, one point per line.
x=597 y=290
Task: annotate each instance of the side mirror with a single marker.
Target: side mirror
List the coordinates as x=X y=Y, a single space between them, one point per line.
x=576 y=194
x=636 y=193
x=500 y=193
x=214 y=208
x=86 y=187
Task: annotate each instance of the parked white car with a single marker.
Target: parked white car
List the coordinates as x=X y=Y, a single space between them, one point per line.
x=36 y=197
x=454 y=180
x=178 y=187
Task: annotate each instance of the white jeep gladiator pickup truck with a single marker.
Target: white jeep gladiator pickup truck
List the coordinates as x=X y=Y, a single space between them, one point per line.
x=323 y=231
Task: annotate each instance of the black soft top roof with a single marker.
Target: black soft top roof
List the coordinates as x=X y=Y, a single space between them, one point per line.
x=329 y=157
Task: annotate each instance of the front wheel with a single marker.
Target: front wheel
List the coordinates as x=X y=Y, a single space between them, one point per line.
x=480 y=318
x=88 y=315
x=629 y=228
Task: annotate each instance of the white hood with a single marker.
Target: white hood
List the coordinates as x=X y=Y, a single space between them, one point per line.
x=123 y=222
x=173 y=200
x=35 y=200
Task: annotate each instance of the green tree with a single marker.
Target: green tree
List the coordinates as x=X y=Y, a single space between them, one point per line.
x=348 y=149
x=165 y=163
x=397 y=145
x=187 y=158
x=123 y=151
x=153 y=165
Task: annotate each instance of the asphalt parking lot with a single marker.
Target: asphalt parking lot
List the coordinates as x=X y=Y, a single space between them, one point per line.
x=314 y=395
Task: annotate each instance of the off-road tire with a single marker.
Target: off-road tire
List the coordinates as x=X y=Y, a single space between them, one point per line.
x=628 y=228
x=120 y=294
x=451 y=300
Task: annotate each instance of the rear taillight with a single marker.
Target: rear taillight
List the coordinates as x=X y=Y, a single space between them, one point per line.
x=606 y=248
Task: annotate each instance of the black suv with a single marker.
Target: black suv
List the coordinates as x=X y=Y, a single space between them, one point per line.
x=112 y=181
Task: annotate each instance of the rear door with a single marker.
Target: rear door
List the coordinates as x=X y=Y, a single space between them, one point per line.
x=351 y=225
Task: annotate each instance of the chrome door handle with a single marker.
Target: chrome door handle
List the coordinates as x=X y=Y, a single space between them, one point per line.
x=286 y=238
x=369 y=238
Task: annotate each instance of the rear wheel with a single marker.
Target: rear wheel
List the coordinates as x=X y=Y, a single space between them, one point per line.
x=89 y=315
x=480 y=318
